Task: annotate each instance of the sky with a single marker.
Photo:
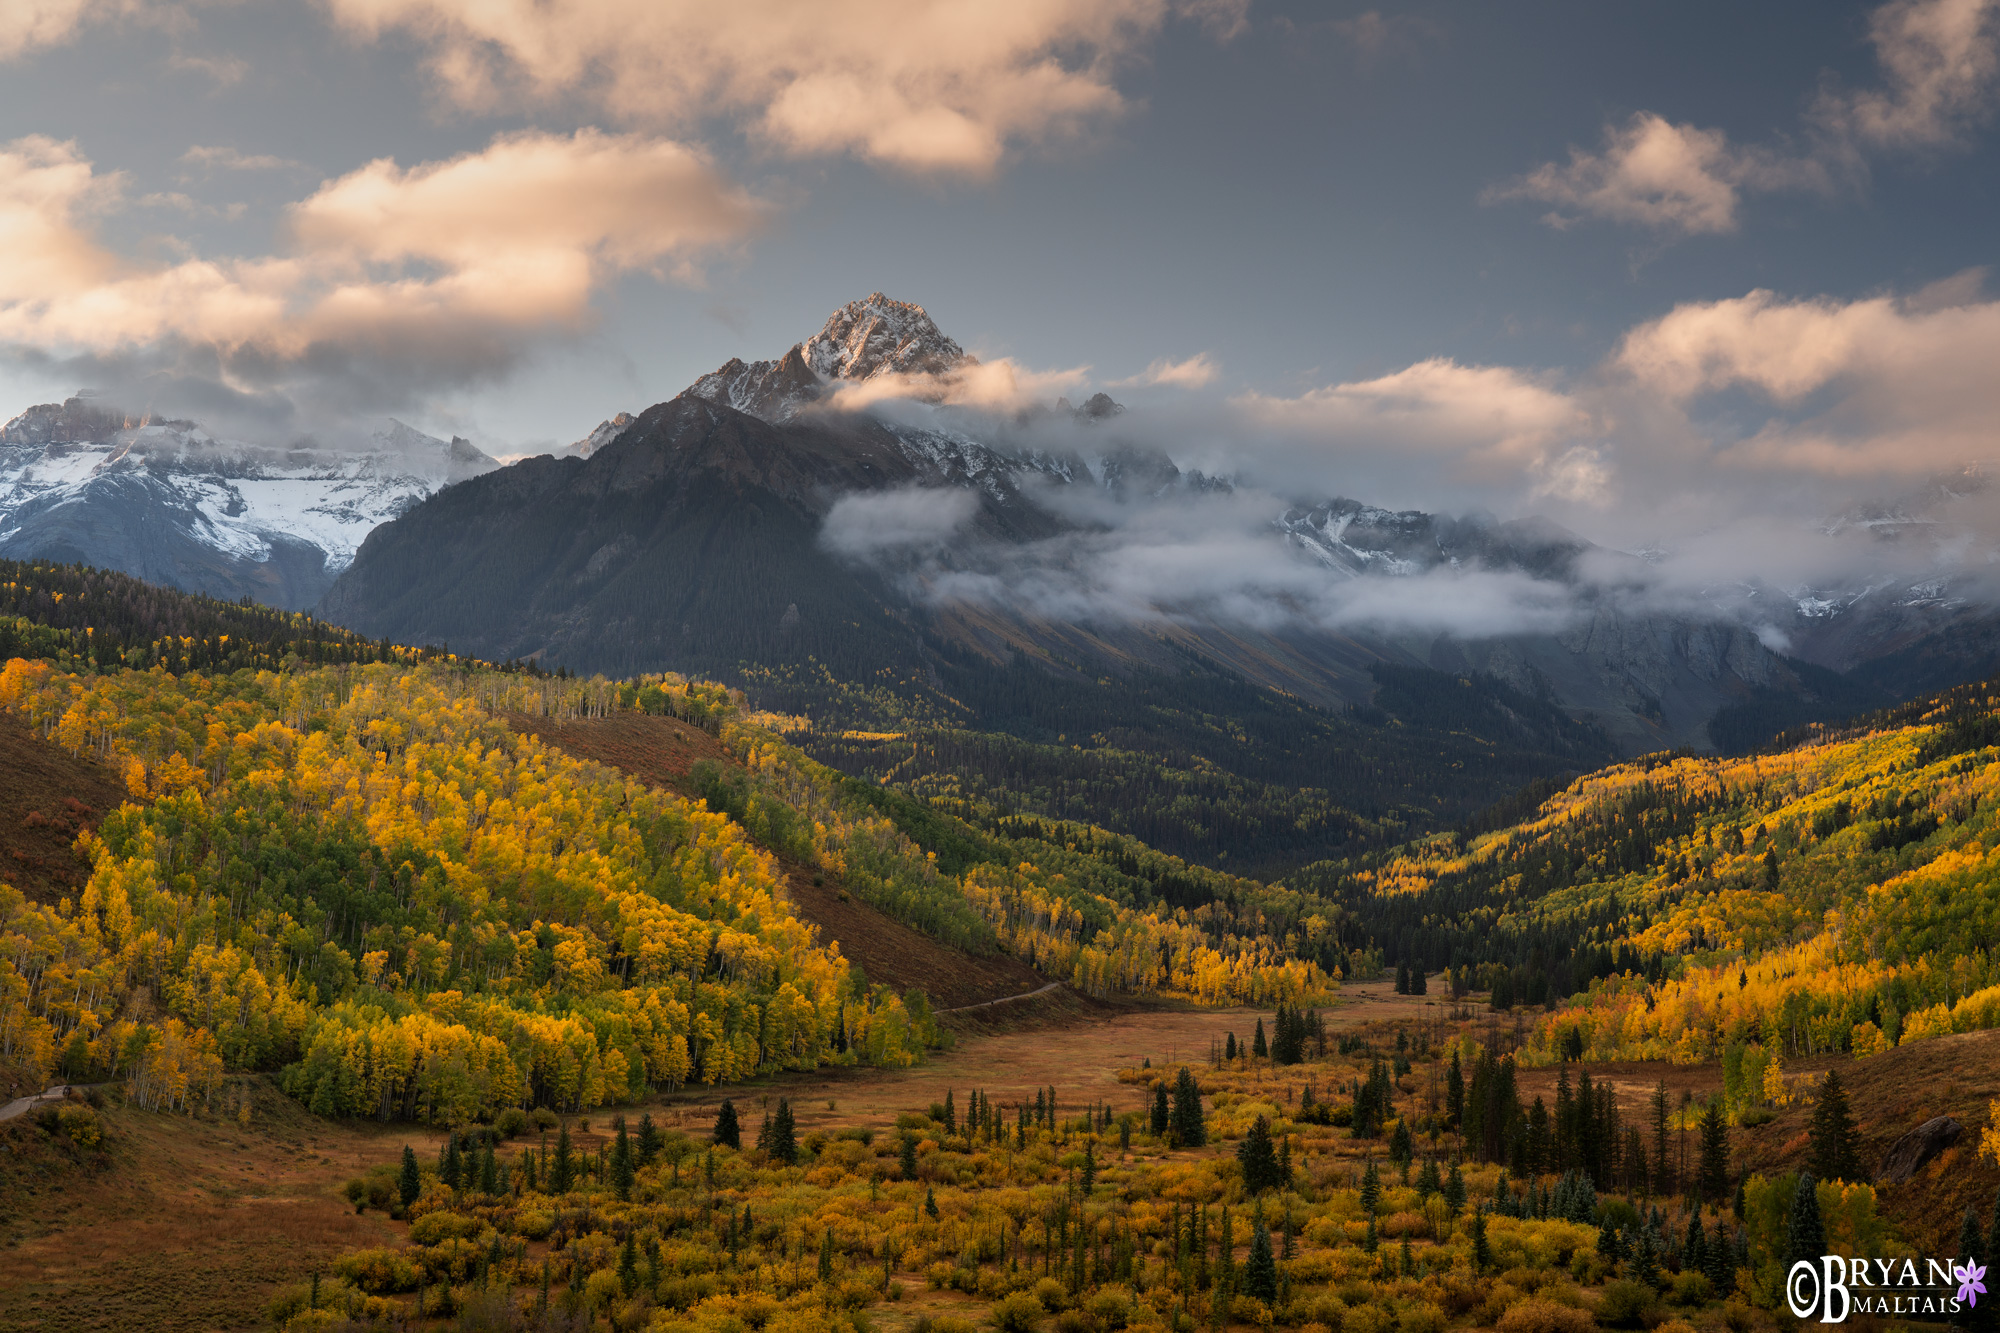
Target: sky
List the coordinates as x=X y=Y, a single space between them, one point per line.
x=1691 y=274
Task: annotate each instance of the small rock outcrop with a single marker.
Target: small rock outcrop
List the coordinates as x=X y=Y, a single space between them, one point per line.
x=1915 y=1149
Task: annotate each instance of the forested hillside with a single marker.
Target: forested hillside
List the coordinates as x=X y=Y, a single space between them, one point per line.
x=365 y=876
x=1202 y=764
x=1839 y=894
x=86 y=619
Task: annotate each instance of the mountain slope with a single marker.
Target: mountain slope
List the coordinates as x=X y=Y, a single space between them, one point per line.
x=168 y=502
x=1835 y=895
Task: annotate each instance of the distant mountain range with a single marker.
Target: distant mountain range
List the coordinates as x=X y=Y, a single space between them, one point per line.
x=168 y=502
x=886 y=572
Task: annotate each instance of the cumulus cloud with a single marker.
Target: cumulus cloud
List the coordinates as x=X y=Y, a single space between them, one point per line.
x=443 y=271
x=1482 y=424
x=999 y=385
x=1197 y=372
x=1658 y=174
x=1938 y=60
x=27 y=25
x=934 y=85
x=1879 y=387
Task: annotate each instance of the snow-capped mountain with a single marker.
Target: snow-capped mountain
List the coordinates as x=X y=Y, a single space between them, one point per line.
x=872 y=338
x=606 y=432
x=169 y=502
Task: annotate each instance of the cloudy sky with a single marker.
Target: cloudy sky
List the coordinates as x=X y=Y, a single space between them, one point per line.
x=1627 y=265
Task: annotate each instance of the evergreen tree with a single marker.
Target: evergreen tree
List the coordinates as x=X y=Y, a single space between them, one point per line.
x=1229 y=1046
x=1259 y=1160
x=410 y=1184
x=1714 y=1151
x=489 y=1172
x=452 y=1169
x=1661 y=1114
x=908 y=1160
x=1721 y=1265
x=1258 y=1046
x=1371 y=1188
x=1805 y=1236
x=1482 y=1252
x=1125 y=1133
x=784 y=1140
x=1089 y=1178
x=622 y=1172
x=1260 y=1272
x=728 y=1133
x=930 y=1203
x=1186 y=1127
x=628 y=1266
x=1971 y=1245
x=826 y=1256
x=1159 y=1120
x=562 y=1175
x=1428 y=1182
x=1401 y=1149
x=1419 y=982
x=1454 y=1189
x=1454 y=1092
x=1833 y=1155
x=950 y=1114
x=650 y=1140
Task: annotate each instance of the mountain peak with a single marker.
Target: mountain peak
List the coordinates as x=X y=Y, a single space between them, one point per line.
x=863 y=340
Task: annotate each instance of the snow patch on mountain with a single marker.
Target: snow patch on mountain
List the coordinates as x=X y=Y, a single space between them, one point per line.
x=863 y=340
x=169 y=501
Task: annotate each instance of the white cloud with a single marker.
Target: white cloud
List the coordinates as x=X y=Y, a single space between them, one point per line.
x=870 y=524
x=445 y=268
x=1871 y=388
x=1197 y=372
x=1939 y=62
x=223 y=158
x=1658 y=174
x=1483 y=423
x=1001 y=385
x=929 y=85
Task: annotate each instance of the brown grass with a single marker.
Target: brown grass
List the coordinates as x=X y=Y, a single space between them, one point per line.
x=184 y=1223
x=47 y=797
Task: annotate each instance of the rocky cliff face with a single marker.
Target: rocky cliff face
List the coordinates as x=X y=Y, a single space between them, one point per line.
x=871 y=339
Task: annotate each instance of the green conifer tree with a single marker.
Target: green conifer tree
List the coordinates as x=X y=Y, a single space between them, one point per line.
x=1160 y=1113
x=908 y=1159
x=1260 y=1271
x=1714 y=1151
x=1258 y=1158
x=651 y=1141
x=409 y=1185
x=728 y=1132
x=628 y=1266
x=1186 y=1127
x=622 y=1167
x=930 y=1203
x=1258 y=1046
x=562 y=1175
x=1805 y=1235
x=784 y=1138
x=1833 y=1155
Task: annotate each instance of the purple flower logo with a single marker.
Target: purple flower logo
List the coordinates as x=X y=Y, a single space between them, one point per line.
x=1970 y=1283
